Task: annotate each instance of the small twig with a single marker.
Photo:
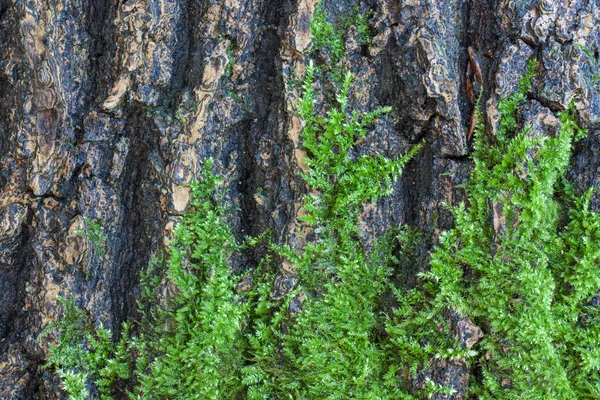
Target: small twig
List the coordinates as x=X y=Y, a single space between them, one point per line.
x=474 y=64
x=472 y=125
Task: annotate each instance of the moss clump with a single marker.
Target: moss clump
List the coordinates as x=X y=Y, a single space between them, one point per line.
x=85 y=357
x=195 y=344
x=95 y=235
x=205 y=340
x=515 y=267
x=329 y=39
x=328 y=351
x=522 y=263
x=326 y=36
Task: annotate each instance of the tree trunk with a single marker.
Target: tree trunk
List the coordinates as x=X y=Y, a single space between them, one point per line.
x=108 y=108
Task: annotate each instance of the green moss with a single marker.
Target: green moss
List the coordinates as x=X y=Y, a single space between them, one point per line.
x=522 y=263
x=235 y=97
x=231 y=47
x=195 y=346
x=330 y=38
x=85 y=354
x=95 y=235
x=361 y=22
x=328 y=351
x=190 y=341
x=207 y=340
x=591 y=56
x=510 y=277
x=325 y=36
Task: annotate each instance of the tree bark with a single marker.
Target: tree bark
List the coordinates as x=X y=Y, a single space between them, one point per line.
x=108 y=108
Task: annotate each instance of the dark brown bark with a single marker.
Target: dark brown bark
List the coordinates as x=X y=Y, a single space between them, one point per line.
x=107 y=109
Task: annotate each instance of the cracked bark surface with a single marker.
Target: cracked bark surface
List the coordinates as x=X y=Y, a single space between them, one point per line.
x=107 y=109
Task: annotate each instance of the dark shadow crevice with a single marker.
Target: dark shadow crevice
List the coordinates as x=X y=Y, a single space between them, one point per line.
x=143 y=218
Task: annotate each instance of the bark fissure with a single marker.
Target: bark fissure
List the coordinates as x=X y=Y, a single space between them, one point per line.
x=108 y=109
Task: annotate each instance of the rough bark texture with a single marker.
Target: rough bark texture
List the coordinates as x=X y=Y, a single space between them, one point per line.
x=107 y=109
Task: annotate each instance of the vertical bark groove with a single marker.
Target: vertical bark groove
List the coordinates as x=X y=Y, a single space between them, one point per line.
x=108 y=109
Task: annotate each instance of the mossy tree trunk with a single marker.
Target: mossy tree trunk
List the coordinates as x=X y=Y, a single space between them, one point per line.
x=107 y=109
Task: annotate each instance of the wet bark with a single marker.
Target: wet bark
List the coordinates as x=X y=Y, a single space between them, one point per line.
x=107 y=109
